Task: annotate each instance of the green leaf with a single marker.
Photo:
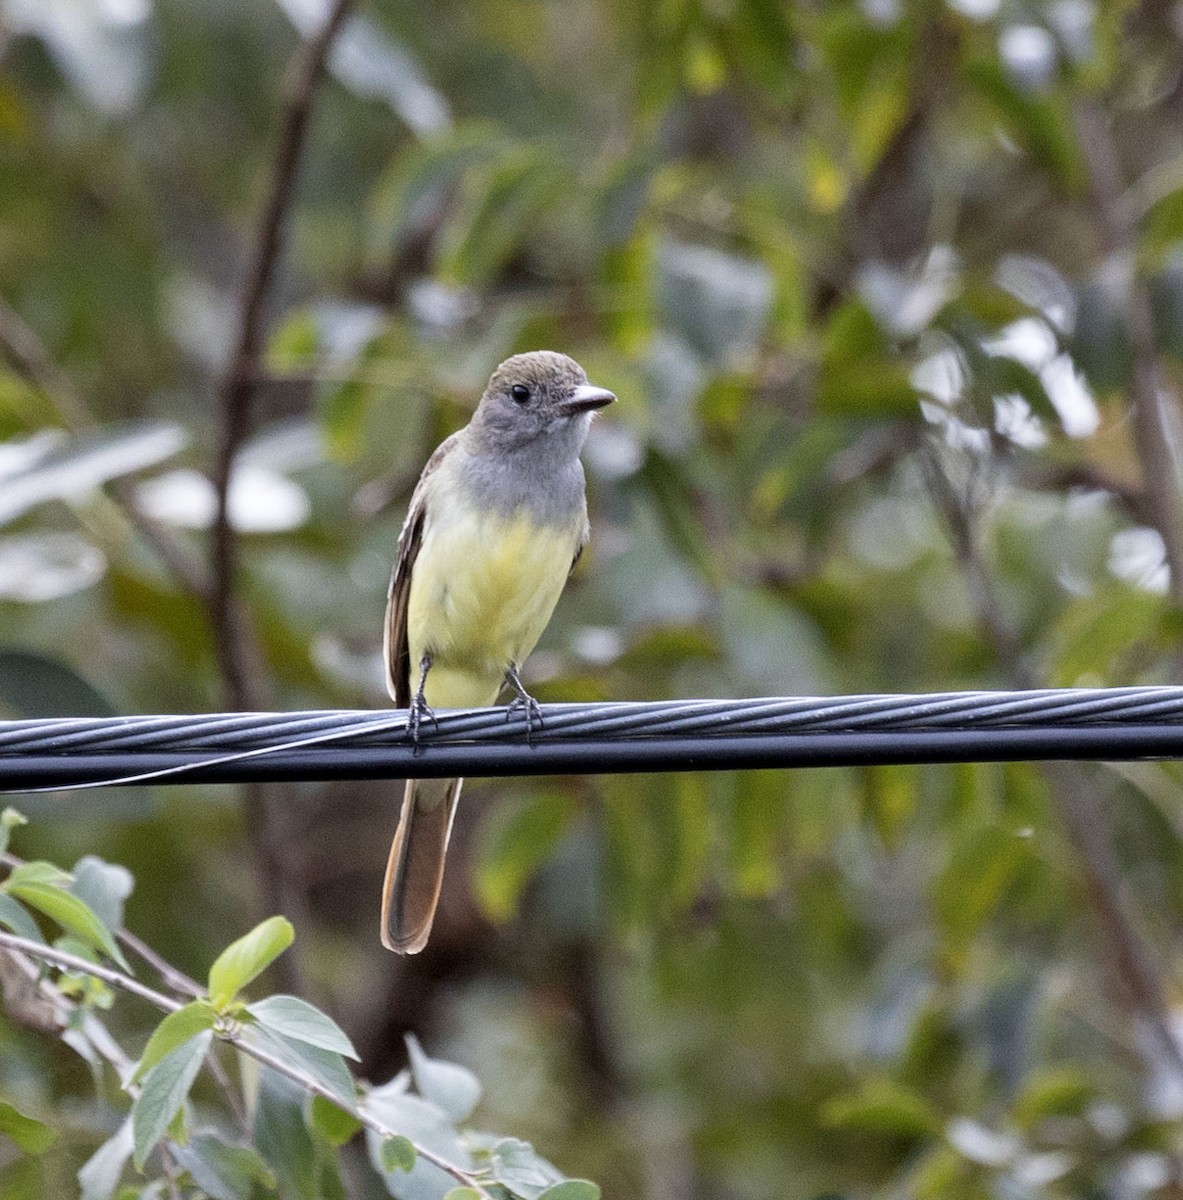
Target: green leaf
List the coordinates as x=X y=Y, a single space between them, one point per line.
x=102 y=887
x=325 y=1066
x=31 y=1135
x=979 y=875
x=333 y=1122
x=15 y=916
x=176 y=1029
x=40 y=872
x=71 y=914
x=1053 y=1092
x=248 y=957
x=453 y=1088
x=283 y=1138
x=572 y=1189
x=10 y=818
x=222 y=1171
x=518 y=1166
x=462 y=1193
x=397 y=1154
x=163 y=1092
x=881 y=1106
x=99 y=1176
x=516 y=841
x=36 y=685
x=296 y=1018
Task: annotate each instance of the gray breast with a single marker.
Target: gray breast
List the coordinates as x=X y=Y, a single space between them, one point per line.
x=549 y=487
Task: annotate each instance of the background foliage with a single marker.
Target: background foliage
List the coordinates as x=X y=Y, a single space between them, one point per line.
x=892 y=295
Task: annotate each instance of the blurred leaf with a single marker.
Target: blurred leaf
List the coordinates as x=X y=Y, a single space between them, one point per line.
x=980 y=873
x=10 y=819
x=102 y=887
x=755 y=832
x=718 y=303
x=71 y=914
x=31 y=1136
x=223 y=1171
x=667 y=485
x=34 y=685
x=297 y=1019
x=502 y=206
x=163 y=1092
x=1100 y=343
x=248 y=957
x=99 y=1176
x=572 y=1189
x=397 y=1154
x=337 y=1126
x=516 y=838
x=890 y=797
x=1040 y=124
x=420 y=179
x=282 y=1137
x=174 y=1031
x=1053 y=1092
x=880 y=1106
x=39 y=871
x=515 y=1164
x=82 y=463
x=16 y=917
x=454 y=1089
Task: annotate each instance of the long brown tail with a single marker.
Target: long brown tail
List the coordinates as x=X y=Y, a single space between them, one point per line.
x=415 y=869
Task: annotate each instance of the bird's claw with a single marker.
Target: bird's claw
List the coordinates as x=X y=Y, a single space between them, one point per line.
x=530 y=710
x=525 y=703
x=420 y=711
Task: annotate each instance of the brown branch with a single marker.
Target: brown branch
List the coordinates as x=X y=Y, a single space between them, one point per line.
x=28 y=355
x=1152 y=434
x=240 y=659
x=238 y=385
x=1132 y=967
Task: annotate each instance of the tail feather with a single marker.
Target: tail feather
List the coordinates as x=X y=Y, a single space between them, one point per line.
x=415 y=869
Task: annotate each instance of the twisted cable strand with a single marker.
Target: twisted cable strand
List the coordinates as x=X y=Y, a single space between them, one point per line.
x=667 y=735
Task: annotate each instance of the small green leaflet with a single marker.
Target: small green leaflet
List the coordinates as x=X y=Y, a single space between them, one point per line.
x=176 y=1029
x=242 y=960
x=397 y=1154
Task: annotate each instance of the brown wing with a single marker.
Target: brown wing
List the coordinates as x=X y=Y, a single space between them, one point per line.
x=395 y=648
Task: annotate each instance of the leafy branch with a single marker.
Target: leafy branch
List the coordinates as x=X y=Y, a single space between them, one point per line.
x=295 y=1041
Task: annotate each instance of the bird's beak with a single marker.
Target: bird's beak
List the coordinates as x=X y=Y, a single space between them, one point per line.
x=585 y=398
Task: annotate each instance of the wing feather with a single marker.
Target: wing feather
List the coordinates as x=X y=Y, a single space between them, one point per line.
x=396 y=650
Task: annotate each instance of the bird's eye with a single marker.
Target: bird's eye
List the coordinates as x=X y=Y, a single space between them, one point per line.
x=520 y=393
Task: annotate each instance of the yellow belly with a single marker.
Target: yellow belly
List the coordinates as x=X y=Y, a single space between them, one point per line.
x=482 y=590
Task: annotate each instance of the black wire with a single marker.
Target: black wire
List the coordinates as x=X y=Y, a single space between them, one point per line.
x=685 y=735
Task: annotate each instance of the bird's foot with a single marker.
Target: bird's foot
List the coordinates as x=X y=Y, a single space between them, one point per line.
x=524 y=703
x=420 y=709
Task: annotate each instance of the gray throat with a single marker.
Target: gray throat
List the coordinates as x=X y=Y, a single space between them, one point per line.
x=543 y=476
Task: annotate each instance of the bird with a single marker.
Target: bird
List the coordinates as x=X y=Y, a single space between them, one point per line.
x=496 y=524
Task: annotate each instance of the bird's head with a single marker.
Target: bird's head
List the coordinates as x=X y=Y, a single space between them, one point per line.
x=538 y=395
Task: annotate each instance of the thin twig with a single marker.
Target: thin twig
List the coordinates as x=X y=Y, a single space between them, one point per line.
x=240 y=660
x=117 y=979
x=237 y=387
x=1152 y=433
